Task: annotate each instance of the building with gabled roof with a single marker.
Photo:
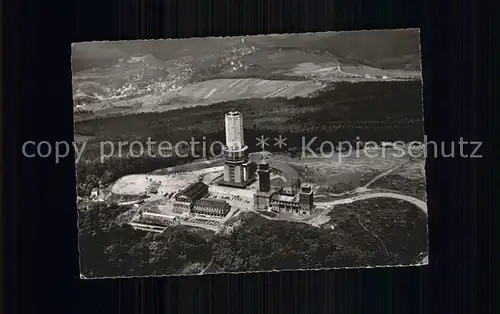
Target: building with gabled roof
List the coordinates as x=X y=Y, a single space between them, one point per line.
x=210 y=207
x=192 y=192
x=185 y=198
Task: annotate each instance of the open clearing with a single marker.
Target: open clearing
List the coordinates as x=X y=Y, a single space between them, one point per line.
x=137 y=184
x=356 y=162
x=412 y=170
x=324 y=171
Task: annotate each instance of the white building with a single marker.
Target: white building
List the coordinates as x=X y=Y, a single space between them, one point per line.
x=234 y=131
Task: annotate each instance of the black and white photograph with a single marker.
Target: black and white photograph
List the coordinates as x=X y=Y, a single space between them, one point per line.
x=250 y=154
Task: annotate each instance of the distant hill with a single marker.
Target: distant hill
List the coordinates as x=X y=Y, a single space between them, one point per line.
x=158 y=74
x=386 y=49
x=392 y=49
x=105 y=54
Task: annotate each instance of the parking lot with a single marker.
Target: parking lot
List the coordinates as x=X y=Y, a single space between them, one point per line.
x=230 y=191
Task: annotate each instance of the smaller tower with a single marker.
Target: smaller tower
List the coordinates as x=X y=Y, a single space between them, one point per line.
x=264 y=173
x=306 y=197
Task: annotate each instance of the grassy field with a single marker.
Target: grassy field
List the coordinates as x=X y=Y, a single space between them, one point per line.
x=412 y=187
x=340 y=174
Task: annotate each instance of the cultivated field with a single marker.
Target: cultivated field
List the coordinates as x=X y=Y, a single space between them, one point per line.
x=206 y=93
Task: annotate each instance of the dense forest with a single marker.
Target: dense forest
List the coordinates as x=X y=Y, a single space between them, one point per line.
x=395 y=226
x=365 y=233
x=375 y=232
x=257 y=245
x=109 y=248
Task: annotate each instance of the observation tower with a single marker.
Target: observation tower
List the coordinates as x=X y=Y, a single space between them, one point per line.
x=238 y=171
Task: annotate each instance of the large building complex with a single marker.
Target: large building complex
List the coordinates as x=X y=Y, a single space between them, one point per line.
x=238 y=170
x=300 y=203
x=191 y=201
x=185 y=198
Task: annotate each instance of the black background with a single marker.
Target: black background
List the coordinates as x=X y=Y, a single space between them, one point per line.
x=40 y=247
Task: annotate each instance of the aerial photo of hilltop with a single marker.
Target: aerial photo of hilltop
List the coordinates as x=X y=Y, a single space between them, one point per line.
x=255 y=153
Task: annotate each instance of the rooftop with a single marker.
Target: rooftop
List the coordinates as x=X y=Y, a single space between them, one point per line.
x=211 y=203
x=283 y=198
x=263 y=165
x=191 y=190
